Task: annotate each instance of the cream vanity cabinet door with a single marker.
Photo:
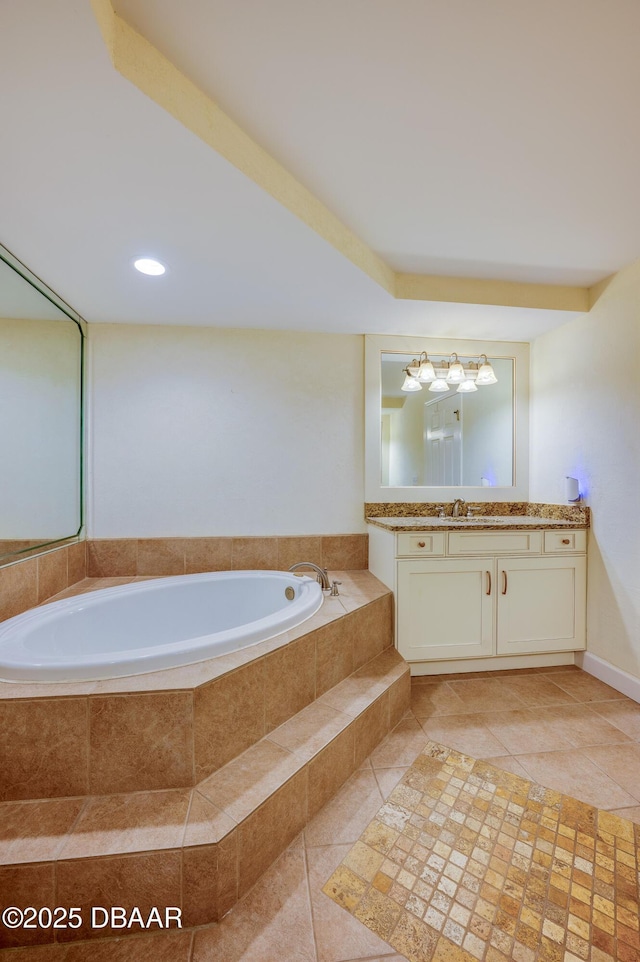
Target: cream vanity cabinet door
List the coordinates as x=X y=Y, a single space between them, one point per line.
x=445 y=608
x=541 y=604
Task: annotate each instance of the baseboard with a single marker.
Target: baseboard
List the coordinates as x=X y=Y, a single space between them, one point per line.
x=621 y=680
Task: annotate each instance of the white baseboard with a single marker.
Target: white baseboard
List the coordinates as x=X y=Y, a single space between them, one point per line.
x=621 y=680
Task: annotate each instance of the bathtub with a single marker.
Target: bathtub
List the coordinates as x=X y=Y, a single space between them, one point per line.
x=150 y=625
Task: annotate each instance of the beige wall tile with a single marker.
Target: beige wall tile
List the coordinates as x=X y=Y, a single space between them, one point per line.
x=139 y=822
x=169 y=946
x=372 y=630
x=227 y=872
x=290 y=677
x=76 y=562
x=24 y=885
x=229 y=717
x=310 y=730
x=43 y=748
x=207 y=823
x=370 y=728
x=160 y=556
x=242 y=786
x=399 y=698
x=139 y=742
x=52 y=573
x=329 y=769
x=334 y=654
x=254 y=553
x=294 y=550
x=266 y=833
x=127 y=880
x=345 y=551
x=35 y=831
x=18 y=588
x=207 y=554
x=200 y=885
x=112 y=558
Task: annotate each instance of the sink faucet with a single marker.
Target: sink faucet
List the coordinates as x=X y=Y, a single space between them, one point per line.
x=322 y=573
x=457 y=505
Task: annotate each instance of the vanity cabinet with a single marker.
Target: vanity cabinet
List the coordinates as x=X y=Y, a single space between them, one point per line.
x=478 y=594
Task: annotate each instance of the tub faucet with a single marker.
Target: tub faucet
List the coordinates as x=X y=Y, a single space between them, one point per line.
x=321 y=573
x=457 y=505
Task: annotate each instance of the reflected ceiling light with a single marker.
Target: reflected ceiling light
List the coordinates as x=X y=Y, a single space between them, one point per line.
x=411 y=383
x=456 y=373
x=466 y=387
x=486 y=374
x=439 y=385
x=147 y=265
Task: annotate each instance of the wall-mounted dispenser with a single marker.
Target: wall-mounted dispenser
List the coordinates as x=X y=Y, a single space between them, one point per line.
x=571 y=489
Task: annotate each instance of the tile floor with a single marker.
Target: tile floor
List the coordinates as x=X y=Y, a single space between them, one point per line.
x=557 y=726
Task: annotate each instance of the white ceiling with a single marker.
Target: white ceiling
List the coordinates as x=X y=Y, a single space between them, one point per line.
x=480 y=139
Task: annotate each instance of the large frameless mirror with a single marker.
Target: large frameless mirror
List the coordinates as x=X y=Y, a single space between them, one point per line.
x=41 y=373
x=446 y=418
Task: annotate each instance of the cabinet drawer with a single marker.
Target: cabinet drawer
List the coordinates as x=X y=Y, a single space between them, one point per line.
x=422 y=543
x=558 y=541
x=473 y=543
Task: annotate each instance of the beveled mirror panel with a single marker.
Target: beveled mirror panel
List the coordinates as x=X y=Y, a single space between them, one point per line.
x=426 y=445
x=41 y=364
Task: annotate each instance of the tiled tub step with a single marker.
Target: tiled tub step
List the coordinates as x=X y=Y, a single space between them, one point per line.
x=199 y=848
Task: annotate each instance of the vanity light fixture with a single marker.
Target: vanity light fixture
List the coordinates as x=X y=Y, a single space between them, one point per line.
x=441 y=377
x=147 y=265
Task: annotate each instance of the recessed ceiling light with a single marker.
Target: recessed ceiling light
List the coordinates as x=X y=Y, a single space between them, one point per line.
x=147 y=265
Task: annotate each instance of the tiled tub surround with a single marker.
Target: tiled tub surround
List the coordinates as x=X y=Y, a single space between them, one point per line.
x=185 y=795
x=31 y=581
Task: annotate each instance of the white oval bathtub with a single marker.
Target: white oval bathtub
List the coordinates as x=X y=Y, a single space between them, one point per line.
x=149 y=625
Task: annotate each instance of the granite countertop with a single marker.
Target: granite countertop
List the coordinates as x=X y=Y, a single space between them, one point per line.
x=486 y=523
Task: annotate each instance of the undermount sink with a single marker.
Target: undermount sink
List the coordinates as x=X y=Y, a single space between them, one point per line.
x=487 y=519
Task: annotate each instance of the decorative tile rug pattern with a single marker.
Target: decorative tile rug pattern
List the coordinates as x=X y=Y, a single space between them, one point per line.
x=468 y=863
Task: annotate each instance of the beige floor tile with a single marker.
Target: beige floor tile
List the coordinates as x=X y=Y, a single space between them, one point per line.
x=401 y=745
x=271 y=924
x=621 y=763
x=574 y=774
x=438 y=698
x=388 y=778
x=508 y=764
x=625 y=715
x=584 y=687
x=347 y=814
x=525 y=731
x=483 y=694
x=465 y=733
x=633 y=814
x=582 y=726
x=538 y=690
x=338 y=935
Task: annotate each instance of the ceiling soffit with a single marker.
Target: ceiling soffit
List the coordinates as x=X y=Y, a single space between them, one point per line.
x=153 y=74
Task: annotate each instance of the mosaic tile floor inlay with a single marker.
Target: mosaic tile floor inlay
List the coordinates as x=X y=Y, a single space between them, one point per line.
x=469 y=863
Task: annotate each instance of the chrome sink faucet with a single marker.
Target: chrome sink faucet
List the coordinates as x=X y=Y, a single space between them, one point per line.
x=322 y=573
x=458 y=504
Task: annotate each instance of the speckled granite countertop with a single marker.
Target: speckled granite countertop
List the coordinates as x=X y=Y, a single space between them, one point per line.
x=484 y=523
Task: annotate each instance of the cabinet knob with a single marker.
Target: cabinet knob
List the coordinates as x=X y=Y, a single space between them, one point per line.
x=421 y=544
x=566 y=541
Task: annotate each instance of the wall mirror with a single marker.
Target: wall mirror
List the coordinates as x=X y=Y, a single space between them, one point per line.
x=460 y=440
x=41 y=383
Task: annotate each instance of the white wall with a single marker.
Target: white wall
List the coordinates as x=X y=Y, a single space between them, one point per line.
x=585 y=422
x=202 y=431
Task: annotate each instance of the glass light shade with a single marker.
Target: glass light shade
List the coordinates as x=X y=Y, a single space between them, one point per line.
x=466 y=387
x=486 y=374
x=456 y=374
x=426 y=372
x=411 y=384
x=439 y=385
x=413 y=368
